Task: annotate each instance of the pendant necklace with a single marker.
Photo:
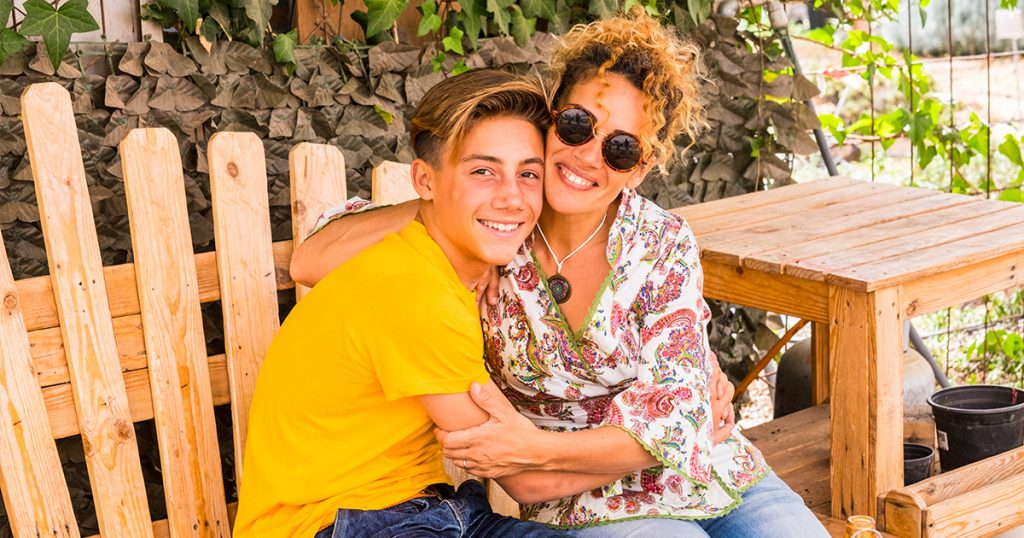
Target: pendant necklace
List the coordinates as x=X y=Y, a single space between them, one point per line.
x=559 y=285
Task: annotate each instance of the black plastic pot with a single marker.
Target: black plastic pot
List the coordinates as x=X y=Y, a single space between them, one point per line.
x=976 y=422
x=917 y=462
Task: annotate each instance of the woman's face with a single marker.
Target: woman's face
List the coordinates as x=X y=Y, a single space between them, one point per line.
x=577 y=180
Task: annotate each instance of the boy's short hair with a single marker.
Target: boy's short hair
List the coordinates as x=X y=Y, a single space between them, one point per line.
x=453 y=106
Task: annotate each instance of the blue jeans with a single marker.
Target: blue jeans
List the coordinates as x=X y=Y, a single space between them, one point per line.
x=463 y=514
x=769 y=509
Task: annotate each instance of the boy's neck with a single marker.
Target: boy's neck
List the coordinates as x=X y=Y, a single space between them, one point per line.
x=469 y=272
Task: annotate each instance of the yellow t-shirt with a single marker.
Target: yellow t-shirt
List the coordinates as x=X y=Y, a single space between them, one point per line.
x=334 y=422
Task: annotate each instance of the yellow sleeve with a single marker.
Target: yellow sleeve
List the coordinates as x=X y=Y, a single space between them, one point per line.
x=428 y=341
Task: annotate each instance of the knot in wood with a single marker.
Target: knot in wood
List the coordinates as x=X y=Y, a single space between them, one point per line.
x=123 y=429
x=10 y=301
x=232 y=169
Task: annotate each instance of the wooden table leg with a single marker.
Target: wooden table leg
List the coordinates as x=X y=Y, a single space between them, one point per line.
x=819 y=363
x=866 y=398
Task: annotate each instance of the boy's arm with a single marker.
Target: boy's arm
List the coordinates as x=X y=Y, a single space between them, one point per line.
x=458 y=411
x=343 y=238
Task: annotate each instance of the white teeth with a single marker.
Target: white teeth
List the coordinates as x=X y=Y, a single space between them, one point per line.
x=499 y=226
x=577 y=180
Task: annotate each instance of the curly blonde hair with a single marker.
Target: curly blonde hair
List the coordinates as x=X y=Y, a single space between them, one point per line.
x=653 y=58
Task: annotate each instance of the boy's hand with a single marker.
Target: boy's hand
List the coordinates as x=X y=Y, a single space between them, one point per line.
x=487 y=288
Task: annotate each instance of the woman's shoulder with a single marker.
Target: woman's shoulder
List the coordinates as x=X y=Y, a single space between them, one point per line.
x=658 y=230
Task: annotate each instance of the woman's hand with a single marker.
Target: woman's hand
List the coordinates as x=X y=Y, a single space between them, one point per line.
x=487 y=288
x=501 y=446
x=723 y=415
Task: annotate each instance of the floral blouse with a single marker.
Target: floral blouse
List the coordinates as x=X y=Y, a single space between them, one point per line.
x=640 y=362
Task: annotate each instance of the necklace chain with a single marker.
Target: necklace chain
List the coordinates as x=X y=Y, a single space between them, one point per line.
x=560 y=263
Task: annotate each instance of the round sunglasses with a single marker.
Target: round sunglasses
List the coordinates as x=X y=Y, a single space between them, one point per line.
x=575 y=126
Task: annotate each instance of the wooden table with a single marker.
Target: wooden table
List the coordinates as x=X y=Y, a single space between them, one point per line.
x=857 y=259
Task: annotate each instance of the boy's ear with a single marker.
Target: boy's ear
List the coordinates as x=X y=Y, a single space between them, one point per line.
x=423 y=178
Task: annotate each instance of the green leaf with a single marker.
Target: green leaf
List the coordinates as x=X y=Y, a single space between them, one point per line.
x=459 y=68
x=258 y=11
x=1011 y=195
x=453 y=42
x=438 y=61
x=544 y=9
x=55 y=26
x=388 y=117
x=284 y=49
x=1011 y=148
x=382 y=14
x=499 y=10
x=11 y=43
x=429 y=23
x=604 y=9
x=522 y=27
x=6 y=6
x=187 y=12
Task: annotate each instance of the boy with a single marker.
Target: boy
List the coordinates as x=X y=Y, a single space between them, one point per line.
x=340 y=438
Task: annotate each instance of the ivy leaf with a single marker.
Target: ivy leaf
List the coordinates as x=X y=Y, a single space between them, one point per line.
x=438 y=61
x=388 y=117
x=258 y=12
x=55 y=25
x=453 y=42
x=11 y=43
x=544 y=9
x=562 y=19
x=187 y=11
x=522 y=27
x=499 y=10
x=604 y=9
x=699 y=10
x=6 y=6
x=430 y=22
x=284 y=49
x=1011 y=195
x=382 y=14
x=459 y=68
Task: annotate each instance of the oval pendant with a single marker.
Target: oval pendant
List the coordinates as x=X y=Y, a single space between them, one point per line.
x=560 y=288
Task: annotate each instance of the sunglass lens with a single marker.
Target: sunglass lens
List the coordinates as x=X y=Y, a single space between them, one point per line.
x=622 y=152
x=574 y=126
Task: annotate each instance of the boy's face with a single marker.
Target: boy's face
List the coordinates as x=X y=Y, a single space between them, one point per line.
x=485 y=200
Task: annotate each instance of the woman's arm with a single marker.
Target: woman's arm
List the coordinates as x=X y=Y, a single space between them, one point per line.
x=343 y=238
x=532 y=487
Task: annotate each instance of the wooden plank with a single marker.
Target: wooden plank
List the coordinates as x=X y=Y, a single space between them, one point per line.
x=245 y=265
x=76 y=271
x=175 y=346
x=766 y=215
x=41 y=312
x=987 y=511
x=51 y=366
x=162 y=530
x=35 y=493
x=392 y=183
x=951 y=255
x=819 y=225
x=866 y=362
x=317 y=181
x=500 y=501
x=819 y=363
x=904 y=514
x=838 y=263
x=941 y=290
x=737 y=204
x=776 y=293
x=789 y=258
x=60 y=405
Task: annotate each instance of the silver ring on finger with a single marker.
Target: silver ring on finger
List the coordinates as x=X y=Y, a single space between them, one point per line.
x=465 y=464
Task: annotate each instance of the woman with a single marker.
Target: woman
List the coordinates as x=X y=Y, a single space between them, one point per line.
x=598 y=331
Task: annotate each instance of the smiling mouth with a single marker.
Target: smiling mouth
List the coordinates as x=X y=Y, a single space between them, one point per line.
x=503 y=228
x=575 y=180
